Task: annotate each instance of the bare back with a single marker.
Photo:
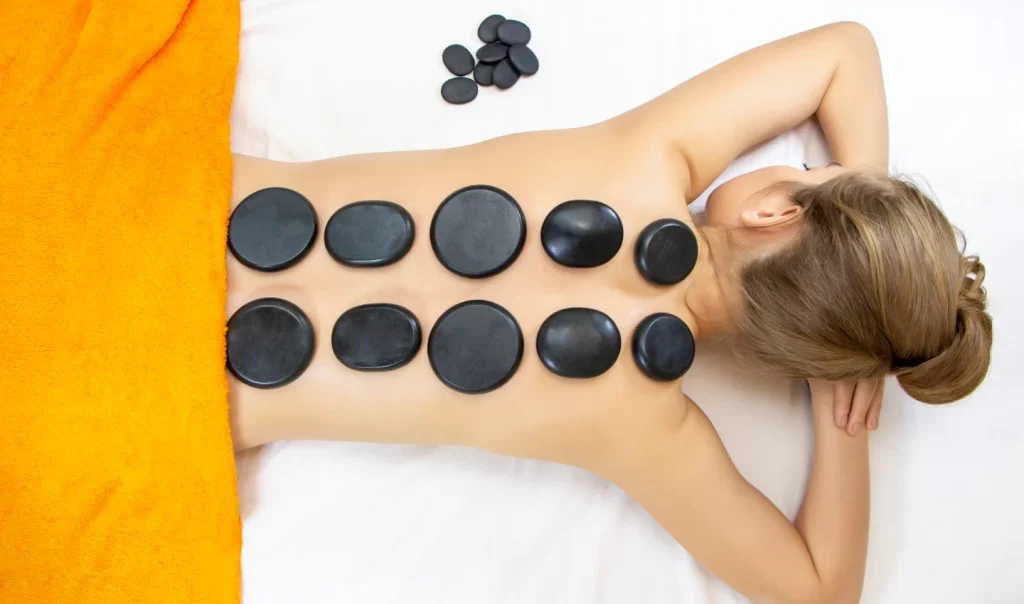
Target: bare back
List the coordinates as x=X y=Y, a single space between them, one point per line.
x=642 y=182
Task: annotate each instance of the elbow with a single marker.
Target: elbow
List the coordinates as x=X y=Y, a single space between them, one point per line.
x=855 y=30
x=848 y=592
x=843 y=585
x=842 y=596
x=857 y=36
x=814 y=588
x=812 y=584
x=844 y=590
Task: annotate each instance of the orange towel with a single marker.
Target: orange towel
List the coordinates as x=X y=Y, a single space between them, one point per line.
x=117 y=479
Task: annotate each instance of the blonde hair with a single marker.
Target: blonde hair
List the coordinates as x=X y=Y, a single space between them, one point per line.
x=876 y=283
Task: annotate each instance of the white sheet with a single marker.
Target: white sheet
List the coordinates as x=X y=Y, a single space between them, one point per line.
x=333 y=522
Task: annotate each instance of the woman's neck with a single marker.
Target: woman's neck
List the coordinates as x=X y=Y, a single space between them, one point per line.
x=707 y=290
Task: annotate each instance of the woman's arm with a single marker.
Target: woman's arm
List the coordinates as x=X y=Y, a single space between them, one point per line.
x=731 y=528
x=832 y=72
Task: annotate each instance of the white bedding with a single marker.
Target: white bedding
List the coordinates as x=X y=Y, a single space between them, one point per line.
x=337 y=522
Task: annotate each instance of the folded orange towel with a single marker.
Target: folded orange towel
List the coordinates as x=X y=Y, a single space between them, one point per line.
x=117 y=478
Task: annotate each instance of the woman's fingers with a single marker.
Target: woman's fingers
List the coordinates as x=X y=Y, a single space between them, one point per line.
x=863 y=396
x=843 y=400
x=876 y=407
x=856 y=405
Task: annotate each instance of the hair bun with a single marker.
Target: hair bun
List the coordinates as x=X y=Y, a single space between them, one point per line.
x=961 y=366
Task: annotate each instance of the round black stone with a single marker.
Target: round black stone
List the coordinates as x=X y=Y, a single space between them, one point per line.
x=475 y=347
x=483 y=73
x=272 y=229
x=458 y=59
x=578 y=343
x=492 y=53
x=663 y=347
x=523 y=59
x=478 y=231
x=511 y=32
x=270 y=343
x=505 y=76
x=369 y=233
x=581 y=233
x=488 y=30
x=376 y=337
x=459 y=91
x=666 y=251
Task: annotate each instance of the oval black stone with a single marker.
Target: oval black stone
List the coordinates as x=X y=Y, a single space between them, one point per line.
x=666 y=251
x=475 y=347
x=511 y=32
x=488 y=30
x=459 y=91
x=270 y=343
x=663 y=347
x=458 y=59
x=523 y=59
x=492 y=53
x=483 y=73
x=369 y=233
x=376 y=337
x=478 y=231
x=505 y=76
x=581 y=233
x=272 y=229
x=578 y=343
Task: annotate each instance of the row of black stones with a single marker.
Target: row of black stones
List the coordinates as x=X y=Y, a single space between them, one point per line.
x=475 y=346
x=476 y=232
x=502 y=59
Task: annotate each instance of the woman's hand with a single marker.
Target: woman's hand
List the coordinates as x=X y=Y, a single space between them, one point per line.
x=855 y=404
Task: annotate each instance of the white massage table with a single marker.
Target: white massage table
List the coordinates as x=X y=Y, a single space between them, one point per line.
x=372 y=524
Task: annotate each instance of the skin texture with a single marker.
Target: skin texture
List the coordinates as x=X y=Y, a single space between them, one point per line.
x=646 y=436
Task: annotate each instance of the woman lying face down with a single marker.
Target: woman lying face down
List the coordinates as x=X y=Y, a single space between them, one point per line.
x=840 y=275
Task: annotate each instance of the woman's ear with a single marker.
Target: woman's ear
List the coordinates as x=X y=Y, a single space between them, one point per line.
x=769 y=209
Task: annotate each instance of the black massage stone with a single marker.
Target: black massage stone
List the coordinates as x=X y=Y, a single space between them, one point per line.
x=663 y=347
x=272 y=229
x=458 y=59
x=459 y=91
x=488 y=30
x=666 y=251
x=512 y=32
x=505 y=76
x=369 y=233
x=581 y=233
x=270 y=343
x=523 y=59
x=376 y=337
x=475 y=347
x=478 y=231
x=492 y=53
x=578 y=343
x=483 y=73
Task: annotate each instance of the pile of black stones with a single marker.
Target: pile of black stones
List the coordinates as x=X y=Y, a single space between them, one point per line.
x=502 y=59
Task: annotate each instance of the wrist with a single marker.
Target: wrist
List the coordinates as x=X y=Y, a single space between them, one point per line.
x=830 y=439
